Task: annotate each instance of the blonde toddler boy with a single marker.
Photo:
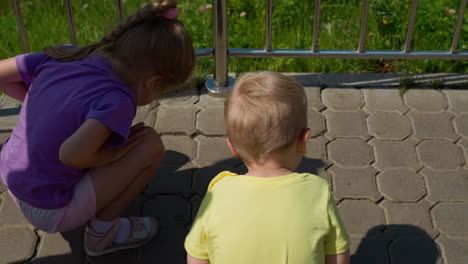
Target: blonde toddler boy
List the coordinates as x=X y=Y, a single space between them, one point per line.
x=270 y=215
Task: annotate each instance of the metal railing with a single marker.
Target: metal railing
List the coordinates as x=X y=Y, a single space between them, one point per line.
x=220 y=52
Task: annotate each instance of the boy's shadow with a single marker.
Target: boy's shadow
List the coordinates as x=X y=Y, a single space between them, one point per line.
x=396 y=244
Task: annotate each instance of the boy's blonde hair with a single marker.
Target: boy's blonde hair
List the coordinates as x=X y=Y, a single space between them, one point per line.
x=265 y=112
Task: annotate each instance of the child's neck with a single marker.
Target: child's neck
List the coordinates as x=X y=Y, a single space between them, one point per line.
x=268 y=168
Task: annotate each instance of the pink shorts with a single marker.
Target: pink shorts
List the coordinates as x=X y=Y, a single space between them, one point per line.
x=78 y=212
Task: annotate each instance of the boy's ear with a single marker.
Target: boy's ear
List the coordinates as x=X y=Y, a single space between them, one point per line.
x=302 y=139
x=233 y=151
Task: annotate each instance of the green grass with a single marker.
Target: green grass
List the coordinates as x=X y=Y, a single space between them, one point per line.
x=46 y=24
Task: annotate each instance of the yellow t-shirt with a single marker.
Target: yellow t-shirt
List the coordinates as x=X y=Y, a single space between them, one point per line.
x=286 y=219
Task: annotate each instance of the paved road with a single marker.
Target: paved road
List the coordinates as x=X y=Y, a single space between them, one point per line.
x=397 y=165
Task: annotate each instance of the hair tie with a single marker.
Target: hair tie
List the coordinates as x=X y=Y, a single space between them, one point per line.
x=171 y=13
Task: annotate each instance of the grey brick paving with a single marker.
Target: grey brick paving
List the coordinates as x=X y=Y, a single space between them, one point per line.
x=461 y=125
x=389 y=125
x=346 y=124
x=457 y=99
x=401 y=185
x=433 y=125
x=446 y=185
x=211 y=121
x=354 y=183
x=397 y=165
x=384 y=99
x=440 y=154
x=450 y=218
x=17 y=244
x=425 y=100
x=360 y=216
x=342 y=99
x=315 y=121
x=350 y=152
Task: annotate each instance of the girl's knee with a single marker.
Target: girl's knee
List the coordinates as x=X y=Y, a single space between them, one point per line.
x=153 y=144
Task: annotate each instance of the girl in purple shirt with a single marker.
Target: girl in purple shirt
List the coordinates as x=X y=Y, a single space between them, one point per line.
x=74 y=157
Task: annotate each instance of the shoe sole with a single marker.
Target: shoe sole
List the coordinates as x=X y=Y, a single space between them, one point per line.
x=110 y=250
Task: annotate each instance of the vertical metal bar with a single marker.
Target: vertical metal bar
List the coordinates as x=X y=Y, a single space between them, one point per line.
x=268 y=25
x=315 y=37
x=456 y=35
x=19 y=21
x=362 y=37
x=220 y=43
x=409 y=33
x=119 y=9
x=71 y=22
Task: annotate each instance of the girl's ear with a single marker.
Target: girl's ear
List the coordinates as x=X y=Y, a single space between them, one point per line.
x=233 y=151
x=301 y=146
x=155 y=80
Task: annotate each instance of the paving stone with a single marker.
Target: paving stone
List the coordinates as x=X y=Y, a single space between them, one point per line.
x=440 y=154
x=130 y=256
x=342 y=99
x=369 y=250
x=461 y=125
x=203 y=176
x=351 y=124
x=19 y=246
x=414 y=250
x=167 y=247
x=316 y=148
x=383 y=99
x=176 y=119
x=170 y=179
x=447 y=185
x=360 y=216
x=401 y=185
x=315 y=121
x=207 y=100
x=425 y=100
x=136 y=206
x=464 y=145
x=412 y=214
x=60 y=248
x=453 y=251
x=181 y=98
x=433 y=125
x=212 y=150
x=350 y=152
x=147 y=114
x=354 y=183
x=395 y=154
x=179 y=149
x=171 y=211
x=313 y=98
x=450 y=218
x=3 y=136
x=457 y=99
x=9 y=118
x=10 y=215
x=389 y=125
x=211 y=121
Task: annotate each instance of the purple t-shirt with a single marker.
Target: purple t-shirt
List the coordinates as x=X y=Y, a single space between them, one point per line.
x=61 y=97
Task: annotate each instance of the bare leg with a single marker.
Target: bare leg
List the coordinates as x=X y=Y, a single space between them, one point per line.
x=118 y=183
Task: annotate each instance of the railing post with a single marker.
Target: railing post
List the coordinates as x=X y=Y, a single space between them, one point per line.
x=221 y=81
x=19 y=21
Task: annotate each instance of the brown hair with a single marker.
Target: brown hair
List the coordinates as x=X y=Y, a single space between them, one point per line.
x=145 y=41
x=265 y=112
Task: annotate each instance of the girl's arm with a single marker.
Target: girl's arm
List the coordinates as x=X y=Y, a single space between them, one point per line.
x=192 y=260
x=342 y=258
x=10 y=80
x=86 y=149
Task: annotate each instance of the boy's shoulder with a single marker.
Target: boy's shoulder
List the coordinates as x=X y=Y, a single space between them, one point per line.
x=219 y=177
